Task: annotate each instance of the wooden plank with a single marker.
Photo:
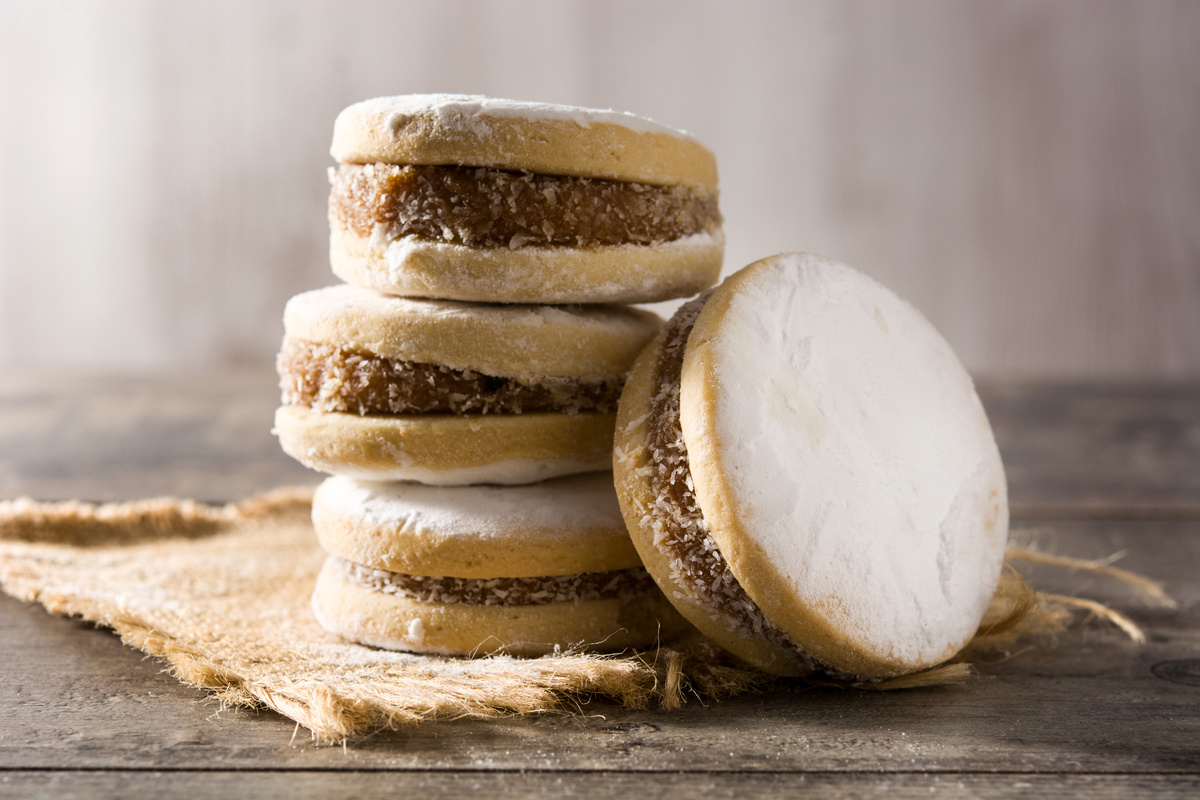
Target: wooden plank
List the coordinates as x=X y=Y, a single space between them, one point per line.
x=116 y=437
x=1098 y=449
x=596 y=785
x=1068 y=448
x=1094 y=703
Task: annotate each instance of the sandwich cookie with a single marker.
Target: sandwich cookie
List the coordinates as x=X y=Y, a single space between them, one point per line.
x=389 y=388
x=480 y=569
x=808 y=474
x=474 y=198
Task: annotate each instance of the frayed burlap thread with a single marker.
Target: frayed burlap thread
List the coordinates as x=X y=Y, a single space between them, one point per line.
x=221 y=594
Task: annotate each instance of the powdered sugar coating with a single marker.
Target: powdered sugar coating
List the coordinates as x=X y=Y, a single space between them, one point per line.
x=844 y=462
x=469 y=113
x=580 y=509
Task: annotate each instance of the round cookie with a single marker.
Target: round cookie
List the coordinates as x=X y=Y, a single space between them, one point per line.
x=480 y=199
x=441 y=392
x=478 y=569
x=808 y=473
x=558 y=527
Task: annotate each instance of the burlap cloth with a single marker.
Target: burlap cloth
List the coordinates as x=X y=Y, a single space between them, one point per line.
x=222 y=595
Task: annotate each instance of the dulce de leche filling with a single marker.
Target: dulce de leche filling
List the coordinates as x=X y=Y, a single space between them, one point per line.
x=679 y=527
x=331 y=379
x=479 y=207
x=503 y=591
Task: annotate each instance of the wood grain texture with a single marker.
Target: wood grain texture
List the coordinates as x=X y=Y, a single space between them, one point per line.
x=65 y=435
x=1027 y=173
x=595 y=785
x=1075 y=449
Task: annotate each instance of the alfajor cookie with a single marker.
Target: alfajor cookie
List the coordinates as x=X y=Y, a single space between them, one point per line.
x=479 y=199
x=480 y=569
x=390 y=388
x=808 y=473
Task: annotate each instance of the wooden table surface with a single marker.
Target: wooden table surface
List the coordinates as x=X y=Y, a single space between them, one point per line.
x=1093 y=470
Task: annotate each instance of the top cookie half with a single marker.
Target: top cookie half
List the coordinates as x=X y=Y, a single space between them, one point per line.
x=466 y=130
x=471 y=198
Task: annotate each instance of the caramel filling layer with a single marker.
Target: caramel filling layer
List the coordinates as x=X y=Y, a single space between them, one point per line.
x=503 y=591
x=479 y=207
x=679 y=527
x=330 y=379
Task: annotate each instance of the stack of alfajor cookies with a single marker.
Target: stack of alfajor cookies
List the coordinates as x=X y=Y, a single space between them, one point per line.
x=463 y=388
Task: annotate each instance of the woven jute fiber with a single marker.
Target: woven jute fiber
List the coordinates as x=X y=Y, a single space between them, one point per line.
x=222 y=595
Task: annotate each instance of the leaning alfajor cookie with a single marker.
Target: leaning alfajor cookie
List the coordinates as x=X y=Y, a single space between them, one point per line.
x=808 y=473
x=479 y=569
x=473 y=198
x=390 y=388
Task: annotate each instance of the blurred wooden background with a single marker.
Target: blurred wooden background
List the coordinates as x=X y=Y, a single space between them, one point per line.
x=1027 y=173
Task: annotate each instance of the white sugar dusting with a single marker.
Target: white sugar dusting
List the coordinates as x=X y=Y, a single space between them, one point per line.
x=860 y=456
x=470 y=113
x=540 y=514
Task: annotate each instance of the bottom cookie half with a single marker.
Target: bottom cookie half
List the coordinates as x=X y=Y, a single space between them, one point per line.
x=361 y=614
x=447 y=449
